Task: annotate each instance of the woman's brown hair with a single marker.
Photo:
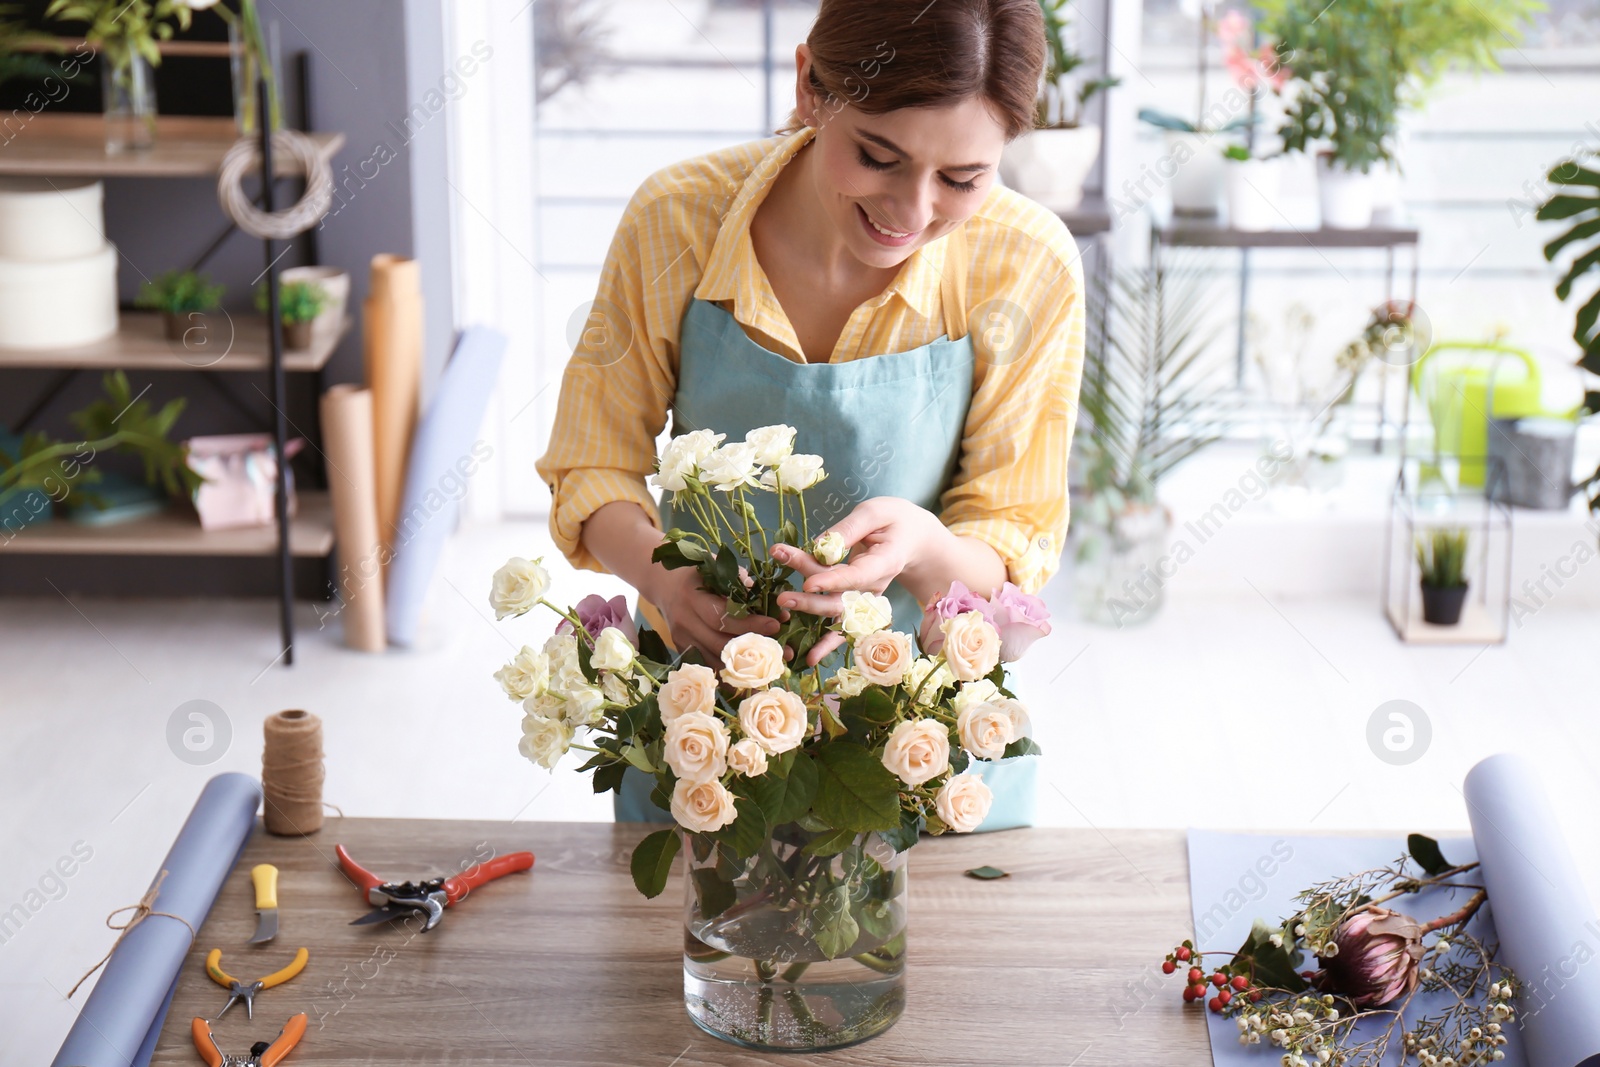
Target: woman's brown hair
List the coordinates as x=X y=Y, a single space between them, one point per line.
x=879 y=55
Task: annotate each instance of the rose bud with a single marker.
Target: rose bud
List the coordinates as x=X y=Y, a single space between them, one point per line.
x=1375 y=958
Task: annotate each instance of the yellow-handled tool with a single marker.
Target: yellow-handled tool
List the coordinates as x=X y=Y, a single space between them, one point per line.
x=265 y=877
x=246 y=991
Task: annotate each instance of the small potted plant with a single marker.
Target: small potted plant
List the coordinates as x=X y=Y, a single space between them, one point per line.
x=299 y=304
x=183 y=297
x=1442 y=555
x=1050 y=162
x=1251 y=177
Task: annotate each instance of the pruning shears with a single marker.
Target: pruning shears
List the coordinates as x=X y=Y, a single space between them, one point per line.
x=398 y=900
x=262 y=1053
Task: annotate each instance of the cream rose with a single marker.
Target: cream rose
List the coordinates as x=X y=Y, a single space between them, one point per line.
x=963 y=802
x=864 y=613
x=775 y=719
x=544 y=741
x=917 y=751
x=971 y=646
x=562 y=652
x=884 y=657
x=747 y=758
x=692 y=687
x=848 y=682
x=971 y=693
x=612 y=651
x=518 y=587
x=584 y=706
x=797 y=472
x=696 y=747
x=1020 y=725
x=615 y=688
x=829 y=549
x=528 y=674
x=681 y=458
x=985 y=730
x=928 y=688
x=773 y=444
x=729 y=467
x=702 y=807
x=551 y=705
x=751 y=661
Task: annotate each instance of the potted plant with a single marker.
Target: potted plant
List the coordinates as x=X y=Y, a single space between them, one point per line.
x=1251 y=177
x=1577 y=200
x=19 y=47
x=1443 y=559
x=183 y=297
x=125 y=33
x=299 y=304
x=1152 y=400
x=1357 y=63
x=1050 y=162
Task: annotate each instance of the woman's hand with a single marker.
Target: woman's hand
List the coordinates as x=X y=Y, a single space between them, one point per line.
x=698 y=617
x=886 y=535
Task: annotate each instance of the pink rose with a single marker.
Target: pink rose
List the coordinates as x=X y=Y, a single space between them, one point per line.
x=596 y=613
x=1021 y=620
x=958 y=600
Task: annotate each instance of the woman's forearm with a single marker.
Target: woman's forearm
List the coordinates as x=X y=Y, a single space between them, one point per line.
x=949 y=557
x=621 y=536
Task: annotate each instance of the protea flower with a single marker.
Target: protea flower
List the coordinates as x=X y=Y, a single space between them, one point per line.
x=1375 y=957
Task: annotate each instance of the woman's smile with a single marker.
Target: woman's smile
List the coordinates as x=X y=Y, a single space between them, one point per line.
x=882 y=234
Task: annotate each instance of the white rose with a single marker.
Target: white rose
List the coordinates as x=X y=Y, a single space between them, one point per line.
x=775 y=719
x=682 y=457
x=696 y=747
x=829 y=549
x=848 y=682
x=1020 y=725
x=518 y=587
x=562 y=652
x=702 y=807
x=928 y=693
x=985 y=730
x=548 y=704
x=917 y=751
x=585 y=705
x=797 y=472
x=691 y=687
x=615 y=688
x=544 y=741
x=751 y=661
x=864 y=613
x=971 y=645
x=528 y=674
x=884 y=657
x=642 y=679
x=963 y=802
x=979 y=692
x=612 y=651
x=730 y=467
x=747 y=758
x=772 y=444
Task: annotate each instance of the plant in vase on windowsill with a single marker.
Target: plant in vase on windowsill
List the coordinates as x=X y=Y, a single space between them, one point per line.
x=798 y=796
x=1442 y=556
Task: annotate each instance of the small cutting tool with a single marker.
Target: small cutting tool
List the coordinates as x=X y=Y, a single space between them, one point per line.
x=265 y=877
x=262 y=1053
x=399 y=900
x=246 y=991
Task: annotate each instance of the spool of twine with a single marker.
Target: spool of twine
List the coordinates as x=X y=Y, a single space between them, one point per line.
x=292 y=773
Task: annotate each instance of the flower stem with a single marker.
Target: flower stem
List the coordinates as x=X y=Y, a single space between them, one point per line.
x=1466 y=911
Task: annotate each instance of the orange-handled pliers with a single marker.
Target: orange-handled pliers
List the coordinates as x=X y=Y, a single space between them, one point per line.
x=246 y=991
x=262 y=1053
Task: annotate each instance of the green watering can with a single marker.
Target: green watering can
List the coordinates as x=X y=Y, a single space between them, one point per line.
x=1458 y=381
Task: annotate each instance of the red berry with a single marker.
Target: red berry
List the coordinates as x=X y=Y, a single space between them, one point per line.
x=1240 y=981
x=1183 y=952
x=1168 y=967
x=1255 y=995
x=1188 y=994
x=1199 y=991
x=1219 y=979
x=1215 y=1003
x=1225 y=996
x=1196 y=975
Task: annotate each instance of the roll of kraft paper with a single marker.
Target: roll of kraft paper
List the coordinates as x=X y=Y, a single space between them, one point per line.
x=444 y=456
x=394 y=372
x=121 y=1020
x=1549 y=935
x=352 y=481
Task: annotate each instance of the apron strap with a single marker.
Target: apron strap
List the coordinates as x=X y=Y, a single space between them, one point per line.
x=953 y=283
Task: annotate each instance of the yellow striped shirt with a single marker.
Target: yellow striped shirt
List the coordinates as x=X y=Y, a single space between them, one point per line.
x=686 y=233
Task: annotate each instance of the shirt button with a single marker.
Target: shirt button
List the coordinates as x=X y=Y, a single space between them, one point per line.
x=1044 y=542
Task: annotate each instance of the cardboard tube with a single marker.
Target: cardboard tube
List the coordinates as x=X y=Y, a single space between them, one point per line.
x=394 y=372
x=348 y=446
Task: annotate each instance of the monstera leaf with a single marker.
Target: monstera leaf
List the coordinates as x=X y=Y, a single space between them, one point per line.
x=1577 y=202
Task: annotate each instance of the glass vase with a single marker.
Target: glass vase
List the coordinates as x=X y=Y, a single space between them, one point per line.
x=1120 y=563
x=248 y=61
x=789 y=949
x=128 y=97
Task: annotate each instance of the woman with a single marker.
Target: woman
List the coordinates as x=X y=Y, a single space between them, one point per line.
x=862 y=277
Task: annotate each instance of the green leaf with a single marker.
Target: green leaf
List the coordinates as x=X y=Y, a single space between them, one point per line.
x=609 y=777
x=747 y=831
x=715 y=894
x=641 y=718
x=786 y=799
x=855 y=791
x=1274 y=966
x=838 y=929
x=1425 y=850
x=652 y=861
x=987 y=873
x=830 y=843
x=877 y=917
x=958 y=757
x=671 y=556
x=779 y=765
x=636 y=756
x=874 y=705
x=721 y=576
x=652 y=647
x=905 y=835
x=1022 y=746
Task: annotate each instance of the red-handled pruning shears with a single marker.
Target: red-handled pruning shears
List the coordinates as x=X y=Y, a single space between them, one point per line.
x=397 y=900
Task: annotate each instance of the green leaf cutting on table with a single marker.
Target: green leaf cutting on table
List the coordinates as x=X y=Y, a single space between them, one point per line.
x=987 y=873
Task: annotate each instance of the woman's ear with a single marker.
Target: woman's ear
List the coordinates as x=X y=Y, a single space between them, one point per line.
x=805 y=98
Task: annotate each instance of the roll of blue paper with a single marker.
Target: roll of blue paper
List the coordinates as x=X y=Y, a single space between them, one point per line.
x=445 y=453
x=122 y=1018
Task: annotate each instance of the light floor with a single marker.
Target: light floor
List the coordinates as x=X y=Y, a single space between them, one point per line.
x=1230 y=709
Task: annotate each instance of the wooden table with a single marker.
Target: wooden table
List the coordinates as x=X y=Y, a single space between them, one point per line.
x=1056 y=965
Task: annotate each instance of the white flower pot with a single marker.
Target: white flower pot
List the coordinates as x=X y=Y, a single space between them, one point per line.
x=1050 y=166
x=1197 y=187
x=1252 y=186
x=331 y=318
x=1386 y=194
x=1346 y=195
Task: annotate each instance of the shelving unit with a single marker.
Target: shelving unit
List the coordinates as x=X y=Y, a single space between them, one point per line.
x=74 y=146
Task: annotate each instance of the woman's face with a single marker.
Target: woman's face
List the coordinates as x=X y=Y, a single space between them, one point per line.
x=917 y=173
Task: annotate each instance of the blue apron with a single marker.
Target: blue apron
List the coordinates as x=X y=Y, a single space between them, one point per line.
x=885 y=425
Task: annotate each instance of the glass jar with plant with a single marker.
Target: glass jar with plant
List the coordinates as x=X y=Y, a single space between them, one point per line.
x=1442 y=557
x=1050 y=162
x=251 y=63
x=125 y=33
x=1357 y=63
x=183 y=297
x=1152 y=398
x=299 y=304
